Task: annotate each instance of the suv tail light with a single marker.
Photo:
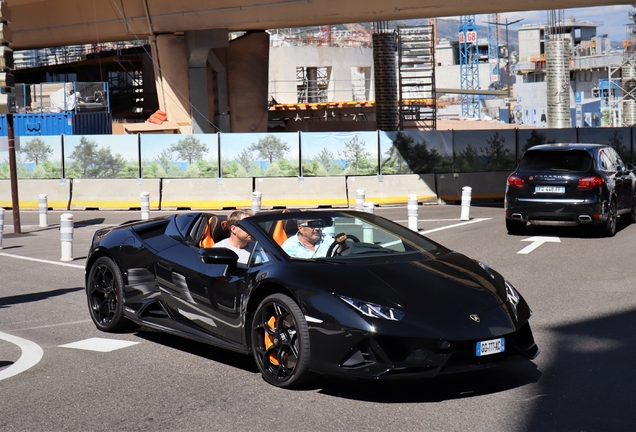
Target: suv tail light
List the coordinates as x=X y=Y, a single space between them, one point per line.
x=516 y=182
x=587 y=183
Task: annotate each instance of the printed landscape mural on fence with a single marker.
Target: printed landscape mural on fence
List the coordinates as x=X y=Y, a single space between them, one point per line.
x=291 y=154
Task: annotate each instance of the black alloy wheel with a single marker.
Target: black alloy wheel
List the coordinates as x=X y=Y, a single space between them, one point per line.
x=104 y=292
x=609 y=228
x=280 y=342
x=515 y=227
x=632 y=213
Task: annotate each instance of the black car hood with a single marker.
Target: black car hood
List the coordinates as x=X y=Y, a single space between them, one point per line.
x=448 y=285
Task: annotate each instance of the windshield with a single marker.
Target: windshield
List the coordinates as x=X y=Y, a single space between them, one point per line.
x=571 y=160
x=316 y=235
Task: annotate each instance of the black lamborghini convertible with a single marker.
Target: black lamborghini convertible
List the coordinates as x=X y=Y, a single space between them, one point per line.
x=380 y=301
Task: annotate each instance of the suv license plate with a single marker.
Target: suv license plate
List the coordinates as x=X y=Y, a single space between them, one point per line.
x=494 y=346
x=549 y=189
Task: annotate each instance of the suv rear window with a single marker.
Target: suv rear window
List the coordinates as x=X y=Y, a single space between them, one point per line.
x=571 y=160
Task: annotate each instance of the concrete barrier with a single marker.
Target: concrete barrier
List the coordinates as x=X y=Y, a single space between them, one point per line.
x=29 y=191
x=113 y=194
x=486 y=186
x=393 y=189
x=206 y=194
x=310 y=192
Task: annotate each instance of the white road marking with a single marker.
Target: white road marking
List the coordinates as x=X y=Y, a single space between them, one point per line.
x=455 y=225
x=99 y=344
x=53 y=325
x=41 y=260
x=31 y=355
x=536 y=242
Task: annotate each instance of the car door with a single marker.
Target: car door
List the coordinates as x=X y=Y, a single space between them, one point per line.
x=207 y=294
x=623 y=180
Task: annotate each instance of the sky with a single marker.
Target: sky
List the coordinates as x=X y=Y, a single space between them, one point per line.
x=611 y=19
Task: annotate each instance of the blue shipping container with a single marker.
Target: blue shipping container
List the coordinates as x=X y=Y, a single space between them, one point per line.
x=39 y=124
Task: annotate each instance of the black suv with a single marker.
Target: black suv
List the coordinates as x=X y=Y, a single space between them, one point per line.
x=570 y=184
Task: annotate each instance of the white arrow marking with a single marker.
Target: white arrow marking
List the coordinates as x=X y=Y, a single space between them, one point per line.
x=31 y=355
x=536 y=242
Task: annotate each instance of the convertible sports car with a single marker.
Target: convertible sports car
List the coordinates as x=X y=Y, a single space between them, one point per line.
x=382 y=301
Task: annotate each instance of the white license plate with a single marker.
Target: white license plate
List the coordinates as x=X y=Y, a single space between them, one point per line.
x=494 y=346
x=549 y=189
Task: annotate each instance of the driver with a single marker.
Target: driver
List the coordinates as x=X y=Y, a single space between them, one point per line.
x=309 y=242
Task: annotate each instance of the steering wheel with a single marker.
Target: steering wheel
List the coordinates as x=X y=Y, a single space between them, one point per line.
x=337 y=247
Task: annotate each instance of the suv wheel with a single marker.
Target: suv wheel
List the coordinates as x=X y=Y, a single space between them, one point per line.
x=609 y=227
x=515 y=227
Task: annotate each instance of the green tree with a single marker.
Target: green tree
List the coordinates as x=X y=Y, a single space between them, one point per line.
x=536 y=138
x=246 y=160
x=84 y=155
x=468 y=160
x=417 y=155
x=270 y=147
x=328 y=161
x=357 y=157
x=499 y=157
x=36 y=150
x=616 y=141
x=107 y=165
x=189 y=149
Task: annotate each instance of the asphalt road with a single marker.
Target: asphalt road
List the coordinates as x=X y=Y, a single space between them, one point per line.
x=580 y=288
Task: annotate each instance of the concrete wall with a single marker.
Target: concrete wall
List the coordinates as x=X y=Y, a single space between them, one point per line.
x=393 y=189
x=310 y=192
x=289 y=192
x=485 y=186
x=116 y=194
x=206 y=194
x=283 y=62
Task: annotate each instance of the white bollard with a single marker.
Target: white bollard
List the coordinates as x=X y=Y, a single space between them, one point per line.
x=466 y=193
x=256 y=201
x=368 y=207
x=1 y=225
x=145 y=205
x=43 y=208
x=66 y=236
x=412 y=212
x=359 y=199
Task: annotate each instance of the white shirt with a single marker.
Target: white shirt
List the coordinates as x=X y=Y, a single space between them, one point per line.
x=243 y=254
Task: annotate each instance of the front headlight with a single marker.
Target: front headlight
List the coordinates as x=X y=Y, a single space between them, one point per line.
x=374 y=310
x=513 y=297
x=511 y=294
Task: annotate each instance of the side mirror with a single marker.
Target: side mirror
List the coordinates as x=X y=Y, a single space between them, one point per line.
x=219 y=255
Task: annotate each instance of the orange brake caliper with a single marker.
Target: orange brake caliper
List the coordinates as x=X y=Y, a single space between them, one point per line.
x=269 y=341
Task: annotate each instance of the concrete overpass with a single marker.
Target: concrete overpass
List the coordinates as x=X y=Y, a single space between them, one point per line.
x=199 y=73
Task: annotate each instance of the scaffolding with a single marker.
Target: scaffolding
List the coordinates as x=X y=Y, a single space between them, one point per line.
x=416 y=85
x=493 y=51
x=469 y=66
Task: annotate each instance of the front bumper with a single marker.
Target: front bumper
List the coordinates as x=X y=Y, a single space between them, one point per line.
x=375 y=356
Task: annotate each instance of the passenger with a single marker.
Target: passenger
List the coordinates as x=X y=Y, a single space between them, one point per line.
x=309 y=241
x=239 y=241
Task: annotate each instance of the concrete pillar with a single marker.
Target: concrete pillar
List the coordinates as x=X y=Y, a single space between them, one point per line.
x=207 y=51
x=248 y=79
x=172 y=85
x=386 y=86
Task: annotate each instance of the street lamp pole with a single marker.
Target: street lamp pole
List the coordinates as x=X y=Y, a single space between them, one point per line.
x=507 y=24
